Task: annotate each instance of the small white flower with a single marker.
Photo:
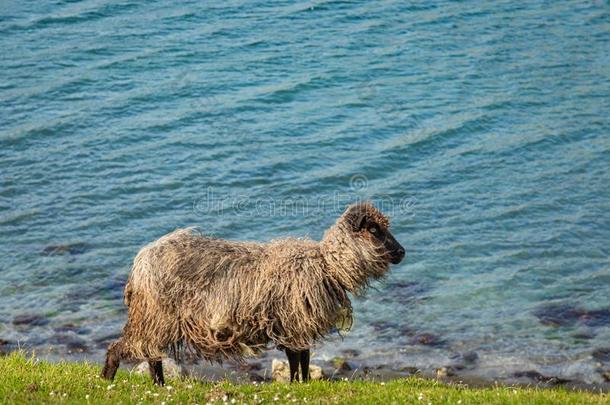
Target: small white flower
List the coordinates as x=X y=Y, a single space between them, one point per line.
x=156 y=394
x=233 y=400
x=169 y=387
x=87 y=396
x=189 y=386
x=421 y=396
x=381 y=383
x=111 y=386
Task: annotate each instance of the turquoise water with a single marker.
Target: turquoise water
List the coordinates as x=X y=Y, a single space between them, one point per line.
x=481 y=128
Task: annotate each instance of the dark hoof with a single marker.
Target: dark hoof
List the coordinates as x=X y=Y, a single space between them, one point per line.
x=602 y=355
x=107 y=373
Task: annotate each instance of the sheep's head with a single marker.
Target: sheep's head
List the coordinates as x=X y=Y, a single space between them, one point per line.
x=360 y=246
x=372 y=227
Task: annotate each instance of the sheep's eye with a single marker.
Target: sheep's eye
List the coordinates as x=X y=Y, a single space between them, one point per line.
x=373 y=229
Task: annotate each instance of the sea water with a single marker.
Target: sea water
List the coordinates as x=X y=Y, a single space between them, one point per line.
x=480 y=128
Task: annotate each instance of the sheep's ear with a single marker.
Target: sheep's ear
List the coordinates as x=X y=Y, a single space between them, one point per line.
x=360 y=222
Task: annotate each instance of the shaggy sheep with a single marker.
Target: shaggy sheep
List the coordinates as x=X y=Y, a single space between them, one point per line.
x=222 y=299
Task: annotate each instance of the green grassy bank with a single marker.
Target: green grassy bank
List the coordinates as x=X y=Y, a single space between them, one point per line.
x=27 y=380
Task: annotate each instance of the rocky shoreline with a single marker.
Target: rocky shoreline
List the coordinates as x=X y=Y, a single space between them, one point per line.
x=462 y=369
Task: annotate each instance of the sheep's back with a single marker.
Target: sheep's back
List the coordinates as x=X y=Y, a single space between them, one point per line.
x=184 y=263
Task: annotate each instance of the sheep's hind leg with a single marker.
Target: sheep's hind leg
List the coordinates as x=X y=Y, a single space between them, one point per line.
x=293 y=361
x=304 y=360
x=113 y=360
x=156 y=372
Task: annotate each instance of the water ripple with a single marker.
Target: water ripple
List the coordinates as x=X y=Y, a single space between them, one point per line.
x=487 y=121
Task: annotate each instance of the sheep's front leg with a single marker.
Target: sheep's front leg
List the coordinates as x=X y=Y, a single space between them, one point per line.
x=304 y=360
x=156 y=371
x=293 y=361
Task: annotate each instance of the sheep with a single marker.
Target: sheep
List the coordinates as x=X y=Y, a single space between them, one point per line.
x=219 y=299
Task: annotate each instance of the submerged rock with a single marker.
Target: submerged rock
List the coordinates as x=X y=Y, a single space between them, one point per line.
x=557 y=314
x=105 y=340
x=30 y=319
x=280 y=371
x=73 y=343
x=171 y=369
x=411 y=370
x=341 y=365
x=602 y=355
x=351 y=353
x=538 y=377
x=70 y=327
x=462 y=361
x=71 y=249
x=405 y=293
x=583 y=335
x=470 y=357
x=112 y=288
x=77 y=347
x=385 y=330
x=568 y=315
x=596 y=318
x=427 y=339
x=4 y=346
x=383 y=326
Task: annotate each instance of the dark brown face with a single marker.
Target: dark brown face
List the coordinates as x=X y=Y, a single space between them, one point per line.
x=385 y=240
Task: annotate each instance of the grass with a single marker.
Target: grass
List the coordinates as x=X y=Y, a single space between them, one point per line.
x=28 y=380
